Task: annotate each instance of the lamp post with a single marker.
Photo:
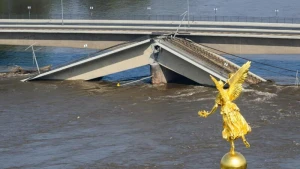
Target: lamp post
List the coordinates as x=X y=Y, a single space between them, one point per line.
x=62 y=12
x=91 y=10
x=149 y=12
x=188 y=13
x=85 y=46
x=276 y=11
x=215 y=9
x=29 y=8
x=9 y=9
x=183 y=14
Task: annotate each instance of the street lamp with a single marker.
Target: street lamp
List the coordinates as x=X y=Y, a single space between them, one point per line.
x=215 y=9
x=29 y=8
x=91 y=10
x=149 y=13
x=188 y=13
x=183 y=14
x=85 y=46
x=276 y=11
x=62 y=12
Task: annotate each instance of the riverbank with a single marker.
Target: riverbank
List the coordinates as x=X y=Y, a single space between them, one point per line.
x=13 y=75
x=17 y=71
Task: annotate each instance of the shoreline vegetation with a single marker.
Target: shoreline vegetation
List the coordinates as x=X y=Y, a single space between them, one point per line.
x=18 y=71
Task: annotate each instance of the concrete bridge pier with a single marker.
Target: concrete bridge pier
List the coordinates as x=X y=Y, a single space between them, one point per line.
x=162 y=75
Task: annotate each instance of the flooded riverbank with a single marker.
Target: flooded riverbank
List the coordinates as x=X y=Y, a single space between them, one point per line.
x=98 y=125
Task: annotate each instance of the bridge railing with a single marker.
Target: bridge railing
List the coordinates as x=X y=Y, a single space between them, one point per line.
x=216 y=18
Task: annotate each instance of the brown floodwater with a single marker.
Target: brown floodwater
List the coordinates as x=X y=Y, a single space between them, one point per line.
x=78 y=124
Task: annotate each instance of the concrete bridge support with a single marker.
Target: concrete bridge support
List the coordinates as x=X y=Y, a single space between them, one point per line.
x=171 y=66
x=161 y=74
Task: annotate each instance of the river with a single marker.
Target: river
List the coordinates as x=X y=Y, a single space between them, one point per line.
x=78 y=124
x=158 y=7
x=98 y=125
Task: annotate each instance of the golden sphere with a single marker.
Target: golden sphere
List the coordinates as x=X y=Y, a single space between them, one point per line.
x=233 y=161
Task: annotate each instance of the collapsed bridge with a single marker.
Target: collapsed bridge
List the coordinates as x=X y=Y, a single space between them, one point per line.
x=171 y=59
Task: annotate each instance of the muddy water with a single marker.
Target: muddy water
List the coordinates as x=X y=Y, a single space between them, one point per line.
x=97 y=125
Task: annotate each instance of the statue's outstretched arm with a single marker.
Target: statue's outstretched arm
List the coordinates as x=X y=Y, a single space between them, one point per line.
x=204 y=113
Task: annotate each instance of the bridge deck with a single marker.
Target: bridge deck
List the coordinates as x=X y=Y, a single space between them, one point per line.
x=110 y=52
x=214 y=63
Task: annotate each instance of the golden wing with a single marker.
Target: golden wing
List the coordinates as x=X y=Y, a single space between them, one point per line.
x=236 y=81
x=220 y=88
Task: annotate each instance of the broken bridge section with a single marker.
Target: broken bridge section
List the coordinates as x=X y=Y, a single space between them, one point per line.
x=117 y=59
x=194 y=62
x=171 y=59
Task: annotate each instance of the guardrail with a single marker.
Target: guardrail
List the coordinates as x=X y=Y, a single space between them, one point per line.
x=216 y=18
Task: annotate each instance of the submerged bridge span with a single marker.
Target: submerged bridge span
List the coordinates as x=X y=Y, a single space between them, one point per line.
x=171 y=59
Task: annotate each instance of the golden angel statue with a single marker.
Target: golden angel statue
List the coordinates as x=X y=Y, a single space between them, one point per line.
x=234 y=124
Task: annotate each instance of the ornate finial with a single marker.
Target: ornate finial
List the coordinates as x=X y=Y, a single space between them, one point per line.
x=235 y=126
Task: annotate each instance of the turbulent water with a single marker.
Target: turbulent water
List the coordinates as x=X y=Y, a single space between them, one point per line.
x=98 y=125
x=57 y=124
